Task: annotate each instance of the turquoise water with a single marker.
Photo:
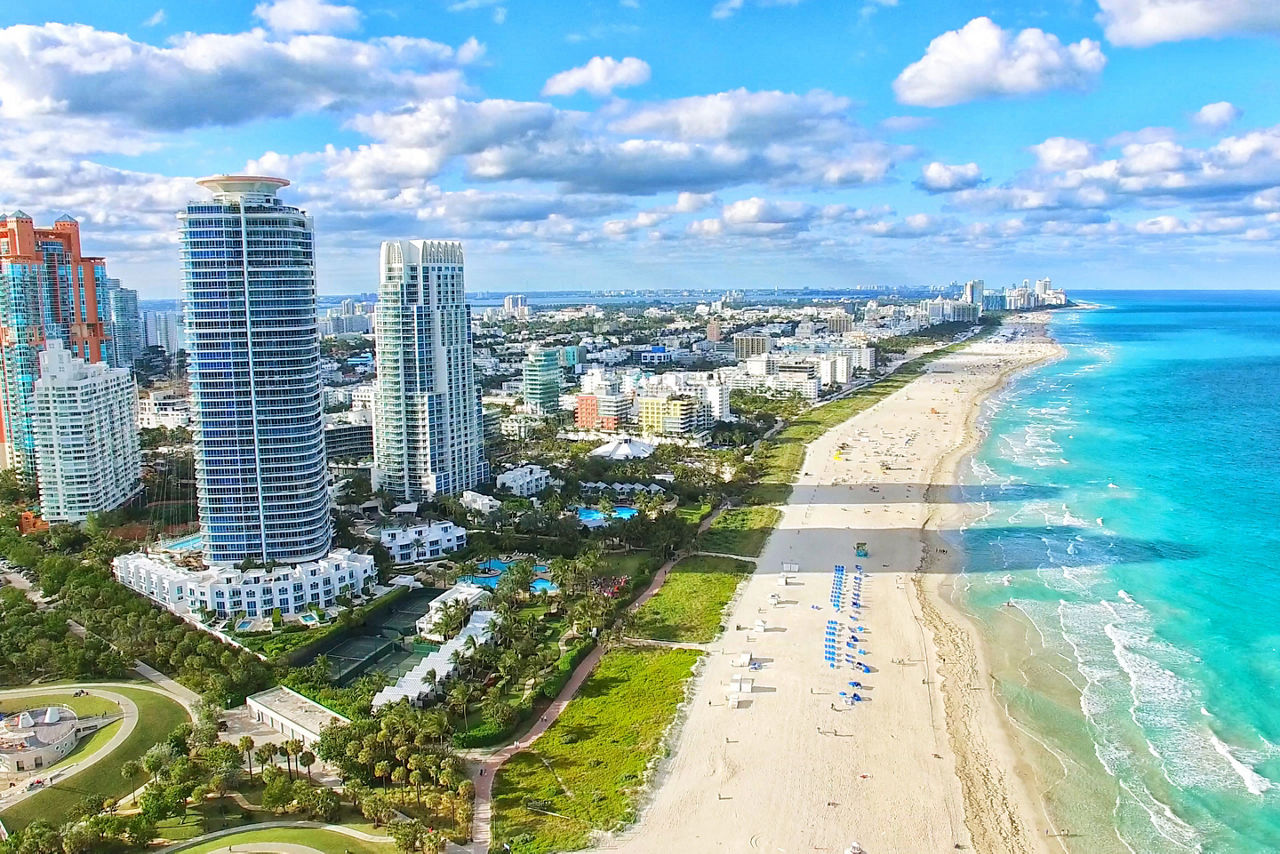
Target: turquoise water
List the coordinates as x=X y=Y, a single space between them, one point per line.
x=1131 y=506
x=187 y=543
x=591 y=514
x=493 y=564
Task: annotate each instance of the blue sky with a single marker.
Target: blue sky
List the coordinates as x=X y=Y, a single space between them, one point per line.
x=607 y=144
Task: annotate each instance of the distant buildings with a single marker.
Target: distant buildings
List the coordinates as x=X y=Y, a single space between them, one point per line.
x=85 y=427
x=542 y=377
x=973 y=292
x=428 y=423
x=122 y=324
x=48 y=292
x=516 y=307
x=746 y=345
x=166 y=409
x=164 y=329
x=940 y=310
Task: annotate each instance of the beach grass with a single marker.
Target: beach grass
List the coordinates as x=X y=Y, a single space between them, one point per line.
x=324 y=841
x=587 y=771
x=740 y=531
x=690 y=606
x=693 y=513
x=157 y=717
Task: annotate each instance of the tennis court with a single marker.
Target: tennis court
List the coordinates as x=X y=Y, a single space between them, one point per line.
x=355 y=655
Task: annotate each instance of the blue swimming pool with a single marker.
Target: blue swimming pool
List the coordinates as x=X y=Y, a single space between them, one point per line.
x=591 y=514
x=244 y=625
x=490 y=582
x=184 y=544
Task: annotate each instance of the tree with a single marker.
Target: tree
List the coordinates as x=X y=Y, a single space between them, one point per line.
x=246 y=747
x=408 y=835
x=306 y=759
x=265 y=754
x=325 y=805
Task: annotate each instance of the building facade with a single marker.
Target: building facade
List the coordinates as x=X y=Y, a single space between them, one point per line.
x=428 y=422
x=525 y=481
x=541 y=381
x=421 y=542
x=164 y=329
x=249 y=292
x=746 y=345
x=48 y=292
x=86 y=436
x=122 y=324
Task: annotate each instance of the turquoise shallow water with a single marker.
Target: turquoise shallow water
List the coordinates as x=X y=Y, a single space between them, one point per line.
x=1132 y=506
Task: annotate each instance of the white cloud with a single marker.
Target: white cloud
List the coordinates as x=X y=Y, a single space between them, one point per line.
x=212 y=79
x=307 y=16
x=1146 y=22
x=1217 y=115
x=981 y=60
x=900 y=124
x=915 y=225
x=155 y=20
x=743 y=116
x=938 y=177
x=1060 y=152
x=600 y=76
x=470 y=5
x=500 y=14
x=728 y=8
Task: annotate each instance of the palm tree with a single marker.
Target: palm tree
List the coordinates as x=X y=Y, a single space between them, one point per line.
x=306 y=759
x=246 y=747
x=382 y=771
x=416 y=777
x=398 y=776
x=264 y=753
x=459 y=698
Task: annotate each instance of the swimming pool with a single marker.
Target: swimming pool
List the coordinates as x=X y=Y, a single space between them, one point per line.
x=244 y=625
x=184 y=544
x=490 y=582
x=309 y=620
x=591 y=514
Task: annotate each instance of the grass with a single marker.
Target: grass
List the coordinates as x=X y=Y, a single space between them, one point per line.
x=740 y=531
x=691 y=603
x=82 y=706
x=587 y=771
x=782 y=456
x=157 y=717
x=693 y=513
x=637 y=564
x=325 y=841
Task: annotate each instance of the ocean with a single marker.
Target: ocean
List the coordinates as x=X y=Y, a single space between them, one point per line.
x=1124 y=564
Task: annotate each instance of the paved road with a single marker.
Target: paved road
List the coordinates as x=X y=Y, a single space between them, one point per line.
x=19 y=793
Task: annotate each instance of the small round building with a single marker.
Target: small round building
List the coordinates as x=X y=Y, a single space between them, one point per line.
x=37 y=738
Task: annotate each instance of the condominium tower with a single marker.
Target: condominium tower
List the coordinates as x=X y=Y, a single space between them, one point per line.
x=428 y=425
x=122 y=324
x=48 y=292
x=249 y=291
x=85 y=426
x=541 y=378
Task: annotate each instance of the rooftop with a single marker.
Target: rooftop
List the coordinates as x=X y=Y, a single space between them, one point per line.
x=293 y=706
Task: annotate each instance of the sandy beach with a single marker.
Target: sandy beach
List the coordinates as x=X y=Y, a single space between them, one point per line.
x=925 y=763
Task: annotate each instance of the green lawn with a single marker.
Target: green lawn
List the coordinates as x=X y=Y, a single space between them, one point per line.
x=693 y=513
x=158 y=716
x=634 y=564
x=740 y=531
x=82 y=706
x=325 y=841
x=691 y=603
x=587 y=771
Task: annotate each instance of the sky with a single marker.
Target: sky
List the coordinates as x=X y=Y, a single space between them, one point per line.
x=607 y=144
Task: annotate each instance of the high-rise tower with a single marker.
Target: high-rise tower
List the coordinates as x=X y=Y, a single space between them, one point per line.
x=48 y=291
x=249 y=291
x=428 y=426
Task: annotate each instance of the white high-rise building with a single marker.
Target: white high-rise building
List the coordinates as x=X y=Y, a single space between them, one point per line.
x=516 y=306
x=428 y=424
x=85 y=426
x=164 y=329
x=254 y=364
x=973 y=292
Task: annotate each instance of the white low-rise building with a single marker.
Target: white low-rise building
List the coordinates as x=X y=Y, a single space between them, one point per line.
x=479 y=502
x=420 y=542
x=525 y=481
x=417 y=686
x=164 y=409
x=472 y=595
x=182 y=583
x=292 y=715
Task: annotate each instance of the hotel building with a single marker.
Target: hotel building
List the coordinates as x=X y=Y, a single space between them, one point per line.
x=428 y=424
x=541 y=381
x=85 y=426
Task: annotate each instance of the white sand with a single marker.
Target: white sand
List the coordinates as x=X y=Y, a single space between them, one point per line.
x=787 y=773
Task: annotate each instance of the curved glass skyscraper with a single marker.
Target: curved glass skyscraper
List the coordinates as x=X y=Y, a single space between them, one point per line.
x=253 y=356
x=428 y=430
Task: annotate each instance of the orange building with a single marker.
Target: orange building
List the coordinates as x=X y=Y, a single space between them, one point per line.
x=601 y=411
x=47 y=290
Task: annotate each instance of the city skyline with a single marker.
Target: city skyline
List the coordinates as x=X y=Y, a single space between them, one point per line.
x=911 y=142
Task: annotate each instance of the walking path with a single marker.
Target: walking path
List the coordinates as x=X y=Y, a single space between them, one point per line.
x=273 y=846
x=19 y=793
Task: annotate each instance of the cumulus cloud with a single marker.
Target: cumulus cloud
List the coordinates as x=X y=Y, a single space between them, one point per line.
x=600 y=76
x=915 y=225
x=743 y=116
x=307 y=16
x=1060 y=152
x=1145 y=22
x=981 y=60
x=213 y=79
x=938 y=177
x=1217 y=115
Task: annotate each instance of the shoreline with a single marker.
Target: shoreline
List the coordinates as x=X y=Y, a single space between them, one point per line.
x=1002 y=791
x=788 y=768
